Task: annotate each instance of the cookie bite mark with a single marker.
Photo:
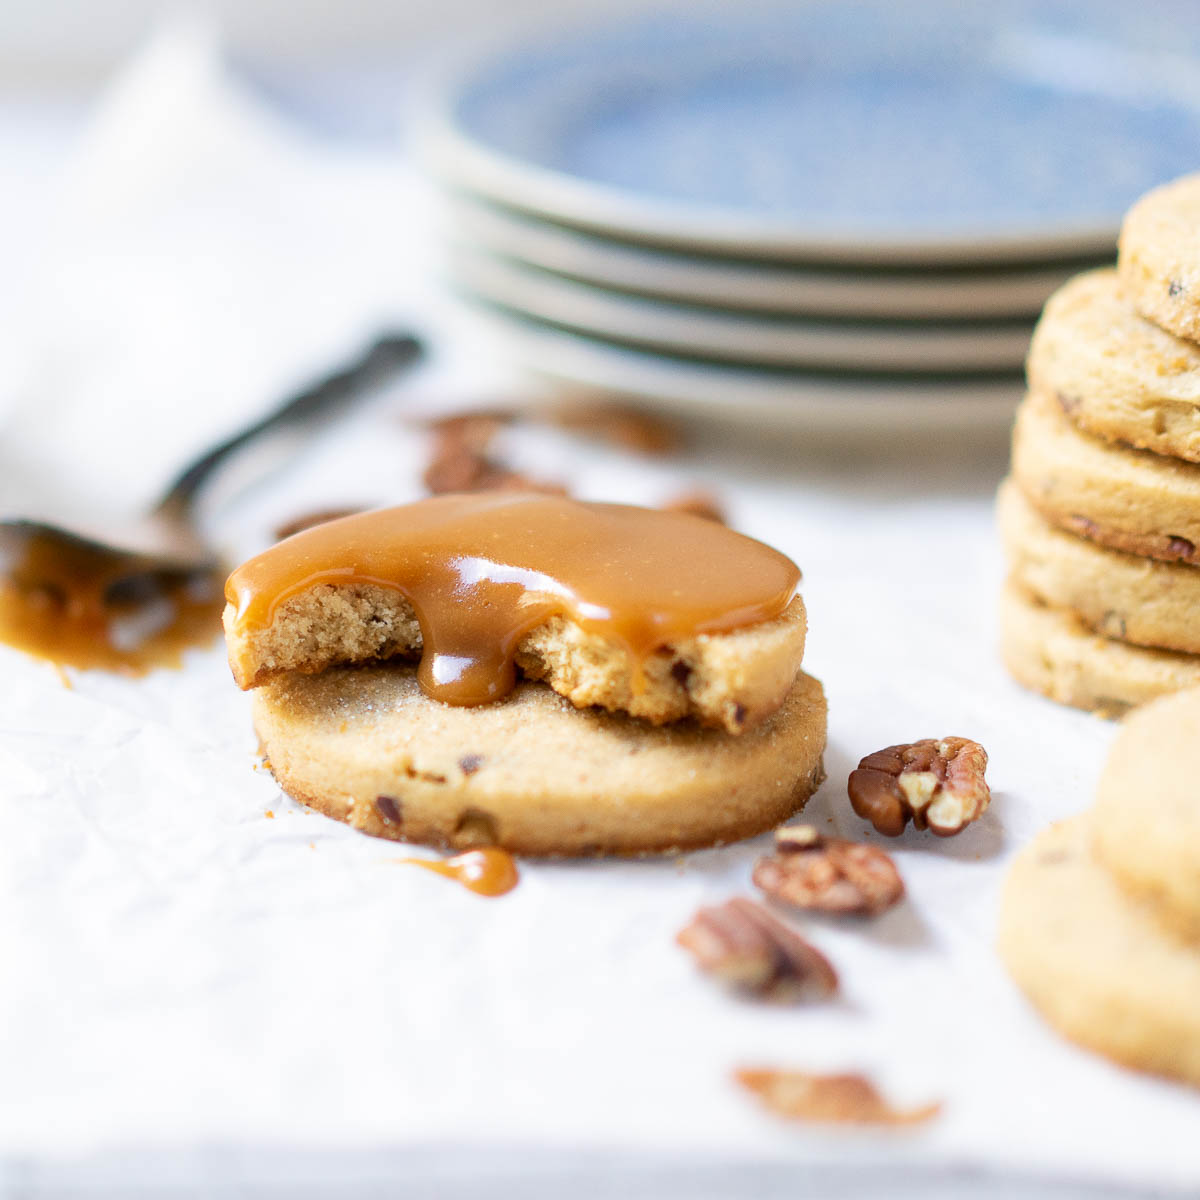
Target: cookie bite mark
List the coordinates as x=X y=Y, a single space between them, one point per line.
x=662 y=615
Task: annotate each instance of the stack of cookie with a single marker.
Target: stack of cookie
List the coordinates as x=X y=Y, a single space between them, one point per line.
x=1100 y=923
x=1101 y=517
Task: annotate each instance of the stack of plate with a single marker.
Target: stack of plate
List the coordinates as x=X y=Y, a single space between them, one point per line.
x=836 y=213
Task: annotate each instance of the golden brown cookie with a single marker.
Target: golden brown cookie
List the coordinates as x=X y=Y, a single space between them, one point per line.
x=1096 y=961
x=531 y=773
x=1051 y=651
x=1146 y=822
x=1114 y=373
x=1126 y=499
x=1159 y=261
x=1139 y=600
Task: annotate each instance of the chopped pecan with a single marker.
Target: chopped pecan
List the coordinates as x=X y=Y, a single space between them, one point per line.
x=698 y=503
x=629 y=428
x=801 y=1096
x=308 y=520
x=742 y=944
x=830 y=875
x=460 y=461
x=938 y=784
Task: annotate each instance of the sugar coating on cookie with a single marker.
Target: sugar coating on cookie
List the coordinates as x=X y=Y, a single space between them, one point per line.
x=1159 y=259
x=1052 y=652
x=1139 y=600
x=1097 y=962
x=1114 y=373
x=1146 y=820
x=663 y=615
x=531 y=773
x=1131 y=500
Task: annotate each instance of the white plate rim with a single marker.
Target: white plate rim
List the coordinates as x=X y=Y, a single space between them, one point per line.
x=786 y=288
x=791 y=401
x=738 y=338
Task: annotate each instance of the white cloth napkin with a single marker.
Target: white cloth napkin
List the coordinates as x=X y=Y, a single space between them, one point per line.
x=200 y=997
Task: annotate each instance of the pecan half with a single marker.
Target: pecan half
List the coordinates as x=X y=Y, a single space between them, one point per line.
x=830 y=875
x=849 y=1098
x=743 y=945
x=937 y=784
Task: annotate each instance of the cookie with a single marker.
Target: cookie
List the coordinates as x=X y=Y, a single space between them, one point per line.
x=1115 y=374
x=1053 y=652
x=1146 y=823
x=1139 y=600
x=1159 y=261
x=1095 y=961
x=1126 y=499
x=531 y=773
x=661 y=615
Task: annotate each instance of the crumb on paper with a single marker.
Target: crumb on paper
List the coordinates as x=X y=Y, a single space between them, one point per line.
x=841 y=1099
x=269 y=814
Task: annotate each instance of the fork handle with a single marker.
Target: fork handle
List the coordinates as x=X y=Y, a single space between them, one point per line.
x=384 y=358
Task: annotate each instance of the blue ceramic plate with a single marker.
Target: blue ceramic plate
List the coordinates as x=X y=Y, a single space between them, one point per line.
x=884 y=132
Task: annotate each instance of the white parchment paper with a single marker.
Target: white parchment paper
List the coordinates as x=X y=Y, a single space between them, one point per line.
x=206 y=989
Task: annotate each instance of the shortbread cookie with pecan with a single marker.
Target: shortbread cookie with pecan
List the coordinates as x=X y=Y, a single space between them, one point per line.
x=1139 y=600
x=1146 y=823
x=1126 y=499
x=1159 y=261
x=1096 y=961
x=1114 y=373
x=531 y=773
x=1051 y=651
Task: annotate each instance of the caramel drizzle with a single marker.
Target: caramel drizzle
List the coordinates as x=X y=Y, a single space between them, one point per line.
x=487 y=872
x=482 y=570
x=76 y=606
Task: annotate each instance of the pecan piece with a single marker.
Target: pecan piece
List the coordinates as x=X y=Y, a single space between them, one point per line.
x=461 y=462
x=742 y=944
x=938 y=784
x=849 y=1098
x=830 y=875
x=699 y=503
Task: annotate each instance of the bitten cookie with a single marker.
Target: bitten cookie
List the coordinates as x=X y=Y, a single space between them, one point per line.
x=1139 y=600
x=1114 y=373
x=531 y=773
x=732 y=680
x=1159 y=259
x=1146 y=822
x=1095 y=961
x=1126 y=499
x=1053 y=652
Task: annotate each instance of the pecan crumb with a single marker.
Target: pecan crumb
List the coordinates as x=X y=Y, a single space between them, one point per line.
x=470 y=763
x=809 y=870
x=388 y=809
x=850 y=1098
x=699 y=503
x=628 y=428
x=308 y=520
x=743 y=945
x=460 y=461
x=937 y=784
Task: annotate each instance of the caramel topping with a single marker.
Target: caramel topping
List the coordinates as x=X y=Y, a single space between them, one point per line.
x=487 y=872
x=76 y=606
x=482 y=570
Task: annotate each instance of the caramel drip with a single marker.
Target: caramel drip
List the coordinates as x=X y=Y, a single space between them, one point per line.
x=487 y=872
x=77 y=606
x=482 y=570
